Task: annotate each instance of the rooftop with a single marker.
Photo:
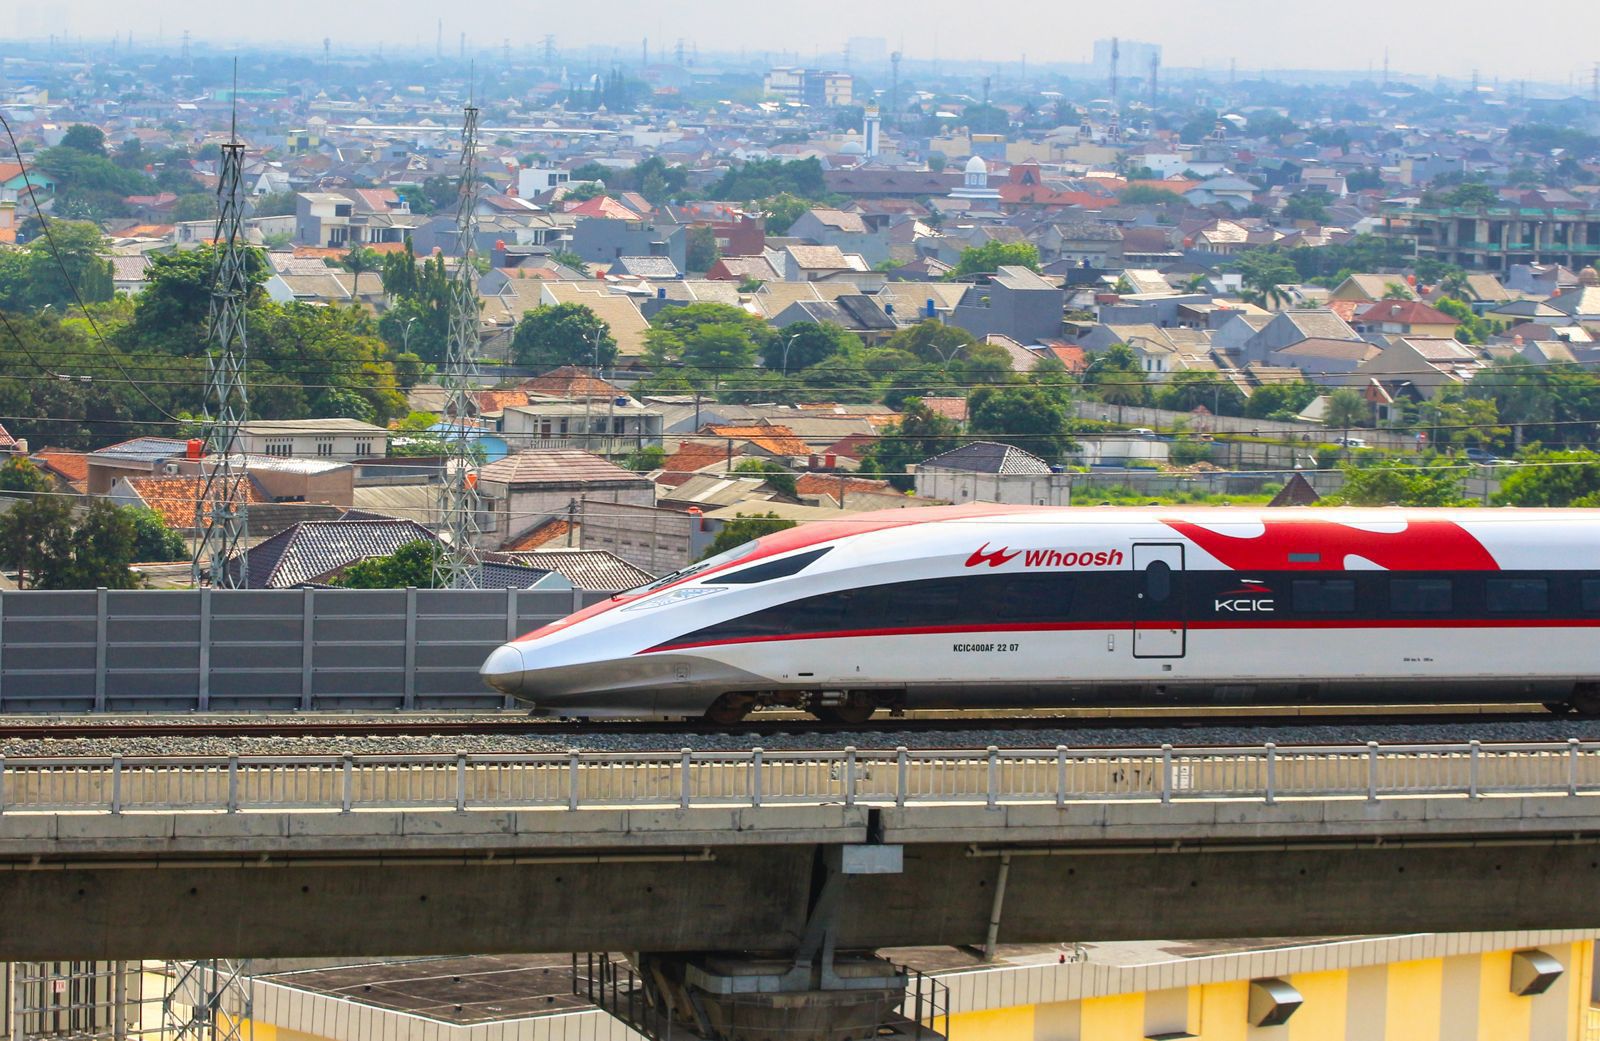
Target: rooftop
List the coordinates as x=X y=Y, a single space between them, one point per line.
x=554 y=466
x=990 y=458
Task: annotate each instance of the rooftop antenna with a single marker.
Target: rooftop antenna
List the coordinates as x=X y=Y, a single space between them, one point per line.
x=458 y=493
x=220 y=511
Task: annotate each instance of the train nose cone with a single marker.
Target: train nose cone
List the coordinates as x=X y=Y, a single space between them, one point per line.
x=503 y=671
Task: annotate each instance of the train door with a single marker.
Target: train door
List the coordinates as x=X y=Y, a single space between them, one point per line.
x=1159 y=627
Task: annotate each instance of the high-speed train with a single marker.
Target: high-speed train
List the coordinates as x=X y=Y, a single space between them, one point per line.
x=991 y=606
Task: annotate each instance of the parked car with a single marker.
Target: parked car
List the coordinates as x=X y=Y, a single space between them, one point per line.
x=1353 y=442
x=1483 y=457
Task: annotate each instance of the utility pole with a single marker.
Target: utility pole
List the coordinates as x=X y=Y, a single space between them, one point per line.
x=220 y=512
x=458 y=492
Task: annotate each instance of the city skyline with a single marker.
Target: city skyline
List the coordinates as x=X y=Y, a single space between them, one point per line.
x=1429 y=39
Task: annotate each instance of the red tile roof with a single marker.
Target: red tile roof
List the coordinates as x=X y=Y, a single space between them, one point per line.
x=1404 y=312
x=569 y=381
x=949 y=408
x=829 y=484
x=174 y=498
x=771 y=438
x=497 y=400
x=852 y=446
x=72 y=467
x=541 y=535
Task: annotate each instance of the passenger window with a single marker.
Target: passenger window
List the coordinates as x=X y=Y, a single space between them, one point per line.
x=1518 y=595
x=1324 y=596
x=1591 y=595
x=1420 y=595
x=1157 y=581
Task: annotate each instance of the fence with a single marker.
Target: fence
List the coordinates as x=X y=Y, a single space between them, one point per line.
x=260 y=650
x=849 y=776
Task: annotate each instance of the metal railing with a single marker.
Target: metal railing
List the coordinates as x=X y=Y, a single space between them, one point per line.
x=878 y=777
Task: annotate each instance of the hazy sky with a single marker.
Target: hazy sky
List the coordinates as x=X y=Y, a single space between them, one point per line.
x=1432 y=37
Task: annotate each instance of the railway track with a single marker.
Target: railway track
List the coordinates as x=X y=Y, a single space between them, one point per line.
x=787 y=724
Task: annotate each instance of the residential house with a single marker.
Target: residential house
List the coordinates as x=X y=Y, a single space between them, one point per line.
x=1290 y=327
x=867 y=235
x=1325 y=362
x=854 y=312
x=762 y=440
x=593 y=569
x=615 y=425
x=335 y=438
x=604 y=240
x=357 y=216
x=1014 y=302
x=329 y=286
x=526 y=489
x=648 y=537
x=1430 y=365
x=1403 y=318
x=175 y=499
x=313 y=553
x=139 y=457
x=822 y=263
x=1370 y=288
x=983 y=471
x=1578 y=305
x=743 y=269
x=656 y=268
x=1081 y=244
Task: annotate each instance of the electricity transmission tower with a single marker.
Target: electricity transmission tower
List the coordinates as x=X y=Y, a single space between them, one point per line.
x=458 y=492
x=207 y=1000
x=220 y=509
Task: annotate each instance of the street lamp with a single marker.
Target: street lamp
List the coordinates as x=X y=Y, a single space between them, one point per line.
x=588 y=397
x=405 y=335
x=786 y=344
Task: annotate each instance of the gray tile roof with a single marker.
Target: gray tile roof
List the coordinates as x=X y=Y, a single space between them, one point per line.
x=587 y=568
x=989 y=458
x=151 y=448
x=311 y=550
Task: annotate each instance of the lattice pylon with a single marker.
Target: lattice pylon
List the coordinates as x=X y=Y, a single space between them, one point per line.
x=454 y=561
x=220 y=509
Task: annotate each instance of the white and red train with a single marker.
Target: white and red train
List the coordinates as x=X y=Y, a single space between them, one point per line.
x=988 y=606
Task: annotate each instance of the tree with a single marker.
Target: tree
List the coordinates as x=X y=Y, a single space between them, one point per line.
x=83 y=138
x=1023 y=416
x=701 y=249
x=1116 y=377
x=1307 y=206
x=776 y=476
x=553 y=335
x=103 y=543
x=1552 y=479
x=1147 y=195
x=763 y=178
x=194 y=206
x=358 y=261
x=782 y=211
x=35 y=537
x=1346 y=409
x=1396 y=291
x=18 y=474
x=717 y=339
x=1472 y=327
x=743 y=529
x=70 y=257
x=804 y=344
x=410 y=566
x=1280 y=400
x=643 y=460
x=1262 y=271
x=921 y=434
x=152 y=539
x=1190 y=389
x=1396 y=484
x=993 y=255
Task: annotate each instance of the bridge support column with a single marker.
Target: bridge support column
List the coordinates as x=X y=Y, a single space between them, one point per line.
x=816 y=993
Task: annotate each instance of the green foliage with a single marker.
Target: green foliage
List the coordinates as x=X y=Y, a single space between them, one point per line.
x=89 y=186
x=804 y=344
x=18 y=474
x=84 y=138
x=1553 y=404
x=1471 y=327
x=1346 y=409
x=1551 y=479
x=1327 y=265
x=1309 y=206
x=1187 y=453
x=778 y=477
x=986 y=119
x=994 y=254
x=701 y=249
x=765 y=178
x=360 y=260
x=34 y=277
x=1147 y=195
x=1185 y=391
x=1389 y=483
x=920 y=434
x=436 y=194
x=152 y=540
x=652 y=178
x=50 y=549
x=742 y=529
x=643 y=460
x=409 y=566
x=717 y=341
x=839 y=378
x=1024 y=416
x=1547 y=137
x=550 y=336
x=1280 y=400
x=418 y=319
x=1262 y=271
x=1115 y=376
x=1469 y=196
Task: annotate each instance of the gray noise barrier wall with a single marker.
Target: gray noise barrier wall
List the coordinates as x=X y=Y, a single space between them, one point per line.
x=261 y=650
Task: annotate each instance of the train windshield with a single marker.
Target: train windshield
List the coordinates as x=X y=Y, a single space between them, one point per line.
x=726 y=557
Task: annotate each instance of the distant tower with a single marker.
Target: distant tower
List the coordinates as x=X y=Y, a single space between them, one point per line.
x=894 y=86
x=644 y=53
x=869 y=131
x=1155 y=74
x=549 y=50
x=1386 y=68
x=1116 y=53
x=438 y=40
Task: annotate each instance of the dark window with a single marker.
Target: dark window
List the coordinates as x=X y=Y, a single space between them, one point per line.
x=1420 y=595
x=1591 y=595
x=1157 y=581
x=1518 y=595
x=1324 y=596
x=768 y=570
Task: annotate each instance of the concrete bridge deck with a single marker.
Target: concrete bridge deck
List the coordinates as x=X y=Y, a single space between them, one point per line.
x=420 y=855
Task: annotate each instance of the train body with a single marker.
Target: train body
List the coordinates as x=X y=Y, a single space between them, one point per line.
x=990 y=606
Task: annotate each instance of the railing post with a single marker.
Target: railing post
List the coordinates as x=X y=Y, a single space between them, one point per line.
x=993 y=787
x=1166 y=773
x=1372 y=771
x=572 y=779
x=1061 y=776
x=683 y=768
x=755 y=776
x=349 y=783
x=850 y=775
x=233 y=784
x=100 y=650
x=2 y=784
x=461 y=782
x=116 y=784
x=1573 y=746
x=902 y=781
x=1472 y=770
x=1272 y=773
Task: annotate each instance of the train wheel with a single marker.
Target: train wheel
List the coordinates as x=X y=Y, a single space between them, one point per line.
x=729 y=710
x=856 y=709
x=1586 y=699
x=1558 y=708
